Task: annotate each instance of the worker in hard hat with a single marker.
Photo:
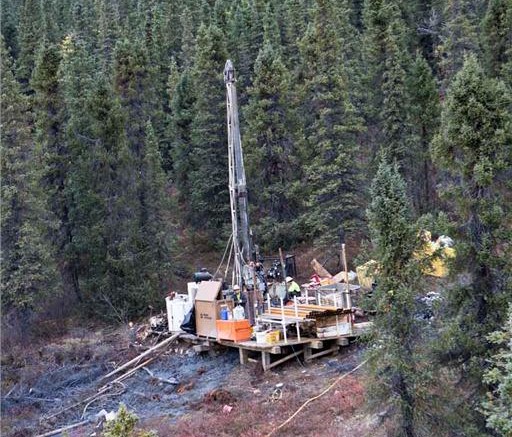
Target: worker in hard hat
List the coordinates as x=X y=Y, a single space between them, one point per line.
x=293 y=287
x=238 y=296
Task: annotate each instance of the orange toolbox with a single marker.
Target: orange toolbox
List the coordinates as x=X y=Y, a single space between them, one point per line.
x=235 y=330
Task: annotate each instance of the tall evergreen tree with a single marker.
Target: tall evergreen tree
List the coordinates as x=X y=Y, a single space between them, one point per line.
x=294 y=19
x=499 y=377
x=154 y=232
x=108 y=18
x=458 y=37
x=187 y=38
x=181 y=148
x=497 y=36
x=424 y=115
x=331 y=126
x=134 y=83
x=246 y=39
x=83 y=21
x=143 y=171
x=271 y=158
x=394 y=358
x=31 y=34
x=50 y=112
x=394 y=120
x=10 y=17
x=208 y=179
x=27 y=267
x=385 y=96
x=474 y=145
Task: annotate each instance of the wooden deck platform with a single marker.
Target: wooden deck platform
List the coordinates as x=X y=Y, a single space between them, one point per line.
x=272 y=355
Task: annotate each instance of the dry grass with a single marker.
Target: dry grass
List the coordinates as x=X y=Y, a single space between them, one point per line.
x=254 y=413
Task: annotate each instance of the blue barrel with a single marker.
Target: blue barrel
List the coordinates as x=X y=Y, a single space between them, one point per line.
x=224 y=313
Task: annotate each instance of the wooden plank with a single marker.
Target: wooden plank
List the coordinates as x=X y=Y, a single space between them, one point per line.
x=320 y=269
x=282 y=360
x=275 y=318
x=253 y=346
x=325 y=352
x=343 y=341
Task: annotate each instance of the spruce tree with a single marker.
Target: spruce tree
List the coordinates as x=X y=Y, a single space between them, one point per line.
x=497 y=36
x=134 y=83
x=208 y=178
x=271 y=31
x=108 y=18
x=98 y=188
x=182 y=103
x=187 y=38
x=385 y=93
x=28 y=267
x=143 y=176
x=271 y=158
x=458 y=37
x=474 y=145
x=83 y=22
x=496 y=406
x=10 y=17
x=294 y=26
x=331 y=128
x=154 y=230
x=424 y=112
x=246 y=39
x=50 y=113
x=31 y=35
x=394 y=356
x=396 y=140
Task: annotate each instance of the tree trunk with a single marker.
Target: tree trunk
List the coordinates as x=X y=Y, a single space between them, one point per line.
x=407 y=407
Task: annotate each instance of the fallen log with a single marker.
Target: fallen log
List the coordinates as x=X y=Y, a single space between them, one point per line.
x=142 y=355
x=127 y=374
x=61 y=430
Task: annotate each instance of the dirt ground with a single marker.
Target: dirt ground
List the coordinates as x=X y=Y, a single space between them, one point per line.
x=205 y=394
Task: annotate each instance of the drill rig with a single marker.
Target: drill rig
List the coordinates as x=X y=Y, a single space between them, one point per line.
x=241 y=238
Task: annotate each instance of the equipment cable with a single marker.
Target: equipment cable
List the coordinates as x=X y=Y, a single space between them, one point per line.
x=223 y=255
x=316 y=397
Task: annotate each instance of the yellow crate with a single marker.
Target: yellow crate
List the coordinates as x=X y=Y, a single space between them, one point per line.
x=272 y=337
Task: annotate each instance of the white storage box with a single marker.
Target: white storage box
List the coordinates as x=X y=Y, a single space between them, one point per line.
x=177 y=309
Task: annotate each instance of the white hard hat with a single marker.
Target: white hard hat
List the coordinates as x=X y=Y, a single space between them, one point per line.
x=289 y=279
x=236 y=287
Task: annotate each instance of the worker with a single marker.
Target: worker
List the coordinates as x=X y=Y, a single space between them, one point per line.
x=293 y=287
x=239 y=297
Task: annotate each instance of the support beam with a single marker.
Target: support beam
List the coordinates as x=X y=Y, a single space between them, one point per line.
x=342 y=341
x=244 y=356
x=325 y=352
x=316 y=344
x=308 y=353
x=265 y=360
x=282 y=360
x=201 y=348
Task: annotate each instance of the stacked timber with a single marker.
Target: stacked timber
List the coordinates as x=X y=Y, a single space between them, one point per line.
x=328 y=321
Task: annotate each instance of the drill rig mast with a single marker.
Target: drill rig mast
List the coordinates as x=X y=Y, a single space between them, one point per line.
x=237 y=184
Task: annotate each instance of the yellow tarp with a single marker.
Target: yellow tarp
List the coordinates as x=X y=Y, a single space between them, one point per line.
x=438 y=267
x=365 y=273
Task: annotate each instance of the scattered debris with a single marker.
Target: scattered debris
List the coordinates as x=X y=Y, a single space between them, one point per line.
x=227 y=409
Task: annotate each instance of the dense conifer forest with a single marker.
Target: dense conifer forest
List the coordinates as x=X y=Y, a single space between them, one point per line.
x=369 y=118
